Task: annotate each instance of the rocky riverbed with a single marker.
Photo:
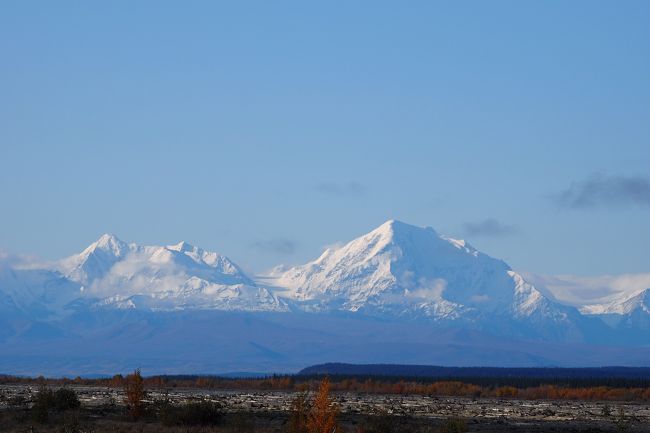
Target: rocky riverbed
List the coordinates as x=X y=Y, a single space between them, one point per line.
x=581 y=415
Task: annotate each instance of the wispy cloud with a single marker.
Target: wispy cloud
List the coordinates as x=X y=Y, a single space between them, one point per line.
x=138 y=276
x=276 y=246
x=347 y=189
x=579 y=290
x=8 y=259
x=604 y=190
x=490 y=227
x=422 y=289
x=430 y=290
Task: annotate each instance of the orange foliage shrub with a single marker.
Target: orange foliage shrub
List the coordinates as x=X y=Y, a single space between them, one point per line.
x=507 y=391
x=375 y=386
x=134 y=394
x=322 y=417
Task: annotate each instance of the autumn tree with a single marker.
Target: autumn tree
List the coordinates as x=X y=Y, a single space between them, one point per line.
x=134 y=394
x=117 y=381
x=323 y=413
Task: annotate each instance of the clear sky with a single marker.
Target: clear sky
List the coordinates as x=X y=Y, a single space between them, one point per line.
x=267 y=130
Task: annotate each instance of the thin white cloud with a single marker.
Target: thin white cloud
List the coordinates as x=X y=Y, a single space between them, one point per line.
x=138 y=275
x=423 y=289
x=578 y=291
x=21 y=261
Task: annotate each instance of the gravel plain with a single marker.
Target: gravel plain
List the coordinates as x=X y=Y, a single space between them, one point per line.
x=511 y=412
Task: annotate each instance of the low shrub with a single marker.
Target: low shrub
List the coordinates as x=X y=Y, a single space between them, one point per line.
x=66 y=399
x=381 y=422
x=300 y=408
x=193 y=413
x=47 y=400
x=453 y=425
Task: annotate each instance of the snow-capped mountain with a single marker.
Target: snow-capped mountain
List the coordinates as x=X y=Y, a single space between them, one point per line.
x=34 y=292
x=399 y=293
x=112 y=273
x=99 y=260
x=621 y=301
x=630 y=312
x=399 y=270
x=399 y=265
x=627 y=304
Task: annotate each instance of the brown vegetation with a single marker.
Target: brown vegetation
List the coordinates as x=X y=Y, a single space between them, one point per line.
x=323 y=413
x=318 y=415
x=59 y=410
x=134 y=394
x=300 y=408
x=375 y=386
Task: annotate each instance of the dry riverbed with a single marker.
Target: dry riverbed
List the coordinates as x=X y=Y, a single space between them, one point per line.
x=517 y=415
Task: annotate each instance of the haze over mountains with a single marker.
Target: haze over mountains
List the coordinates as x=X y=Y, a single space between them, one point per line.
x=400 y=293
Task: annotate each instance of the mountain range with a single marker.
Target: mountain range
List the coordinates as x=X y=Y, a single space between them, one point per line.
x=399 y=293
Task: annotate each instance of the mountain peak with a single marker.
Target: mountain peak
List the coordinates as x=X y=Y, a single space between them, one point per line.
x=639 y=300
x=181 y=247
x=95 y=260
x=107 y=237
x=393 y=225
x=395 y=232
x=110 y=244
x=403 y=270
x=397 y=229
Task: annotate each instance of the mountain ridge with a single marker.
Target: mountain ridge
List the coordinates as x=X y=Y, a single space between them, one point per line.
x=396 y=270
x=405 y=271
x=411 y=293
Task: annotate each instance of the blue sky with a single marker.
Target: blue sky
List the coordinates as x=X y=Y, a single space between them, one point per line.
x=267 y=130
